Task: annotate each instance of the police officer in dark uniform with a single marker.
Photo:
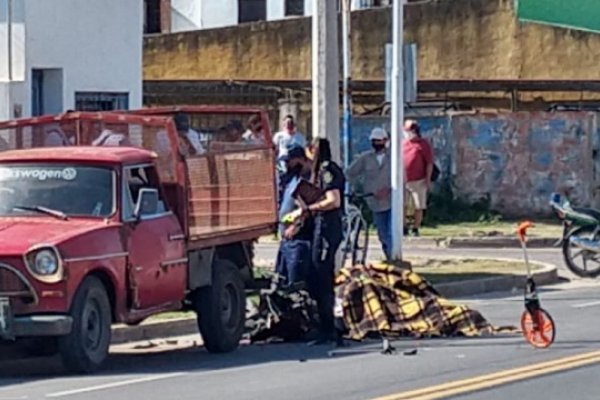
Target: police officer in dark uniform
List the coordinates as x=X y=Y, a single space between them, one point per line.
x=327 y=214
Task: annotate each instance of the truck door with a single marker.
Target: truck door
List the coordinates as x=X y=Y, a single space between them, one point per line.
x=155 y=242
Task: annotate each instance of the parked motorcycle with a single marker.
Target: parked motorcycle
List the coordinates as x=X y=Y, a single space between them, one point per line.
x=580 y=240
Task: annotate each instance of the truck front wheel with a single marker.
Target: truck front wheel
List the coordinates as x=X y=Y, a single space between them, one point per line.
x=86 y=347
x=221 y=308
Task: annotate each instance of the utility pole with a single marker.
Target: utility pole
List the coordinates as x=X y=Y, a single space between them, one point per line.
x=347 y=47
x=325 y=74
x=9 y=35
x=397 y=135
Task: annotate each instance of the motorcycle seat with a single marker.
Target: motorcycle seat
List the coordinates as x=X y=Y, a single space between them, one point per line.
x=588 y=211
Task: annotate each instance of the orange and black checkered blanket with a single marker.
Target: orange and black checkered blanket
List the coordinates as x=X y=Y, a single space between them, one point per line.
x=384 y=299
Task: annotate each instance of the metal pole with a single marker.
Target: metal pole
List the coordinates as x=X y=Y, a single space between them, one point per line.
x=397 y=134
x=347 y=48
x=9 y=36
x=326 y=74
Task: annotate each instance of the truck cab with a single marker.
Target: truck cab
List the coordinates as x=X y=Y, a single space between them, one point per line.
x=95 y=235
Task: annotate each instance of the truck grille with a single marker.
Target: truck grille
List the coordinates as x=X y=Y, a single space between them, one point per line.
x=14 y=284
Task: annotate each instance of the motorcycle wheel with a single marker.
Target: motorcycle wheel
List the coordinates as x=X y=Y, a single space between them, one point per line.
x=577 y=259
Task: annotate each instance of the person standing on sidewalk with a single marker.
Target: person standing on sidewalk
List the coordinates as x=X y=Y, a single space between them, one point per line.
x=418 y=168
x=372 y=171
x=283 y=141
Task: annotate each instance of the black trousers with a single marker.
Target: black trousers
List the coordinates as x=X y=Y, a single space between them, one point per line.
x=327 y=240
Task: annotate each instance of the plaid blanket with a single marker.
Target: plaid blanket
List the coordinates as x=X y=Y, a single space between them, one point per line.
x=383 y=299
x=370 y=301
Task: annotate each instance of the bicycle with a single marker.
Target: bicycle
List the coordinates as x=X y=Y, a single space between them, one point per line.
x=354 y=223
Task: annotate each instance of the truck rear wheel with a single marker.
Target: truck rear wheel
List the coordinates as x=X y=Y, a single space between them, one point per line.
x=86 y=347
x=221 y=308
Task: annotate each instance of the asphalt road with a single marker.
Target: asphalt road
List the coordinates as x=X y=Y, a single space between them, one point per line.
x=181 y=371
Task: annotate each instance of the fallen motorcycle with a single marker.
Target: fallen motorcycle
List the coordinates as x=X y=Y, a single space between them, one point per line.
x=580 y=240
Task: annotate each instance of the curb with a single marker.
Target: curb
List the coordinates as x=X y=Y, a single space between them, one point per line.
x=154 y=330
x=187 y=326
x=548 y=275
x=467 y=242
x=494 y=242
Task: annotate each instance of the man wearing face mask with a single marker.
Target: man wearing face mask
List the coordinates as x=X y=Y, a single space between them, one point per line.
x=372 y=171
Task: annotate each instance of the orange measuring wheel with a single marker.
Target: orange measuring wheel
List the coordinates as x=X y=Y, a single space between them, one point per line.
x=538 y=329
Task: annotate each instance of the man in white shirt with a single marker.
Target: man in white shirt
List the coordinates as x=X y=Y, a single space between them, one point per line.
x=288 y=137
x=189 y=137
x=110 y=138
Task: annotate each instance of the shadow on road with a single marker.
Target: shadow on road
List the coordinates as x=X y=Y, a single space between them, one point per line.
x=194 y=359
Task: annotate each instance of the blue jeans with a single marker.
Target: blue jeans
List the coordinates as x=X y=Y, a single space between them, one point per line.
x=383 y=223
x=294 y=260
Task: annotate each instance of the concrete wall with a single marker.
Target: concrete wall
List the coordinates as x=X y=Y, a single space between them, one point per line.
x=93 y=46
x=519 y=159
x=515 y=159
x=467 y=39
x=108 y=57
x=17 y=56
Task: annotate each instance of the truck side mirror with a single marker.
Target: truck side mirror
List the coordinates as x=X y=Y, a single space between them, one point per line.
x=147 y=203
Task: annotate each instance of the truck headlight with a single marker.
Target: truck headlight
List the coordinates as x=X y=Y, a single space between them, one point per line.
x=44 y=264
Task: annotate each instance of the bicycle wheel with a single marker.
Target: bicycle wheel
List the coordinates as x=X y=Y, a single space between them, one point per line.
x=542 y=335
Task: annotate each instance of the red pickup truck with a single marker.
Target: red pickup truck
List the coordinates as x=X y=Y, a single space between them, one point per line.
x=128 y=227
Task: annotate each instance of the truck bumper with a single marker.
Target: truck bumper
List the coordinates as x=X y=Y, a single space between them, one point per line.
x=43 y=325
x=13 y=327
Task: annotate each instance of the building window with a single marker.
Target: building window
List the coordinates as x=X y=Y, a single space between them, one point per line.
x=294 y=7
x=101 y=101
x=252 y=10
x=46 y=91
x=152 y=17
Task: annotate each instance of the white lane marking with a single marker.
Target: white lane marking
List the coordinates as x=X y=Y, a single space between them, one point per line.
x=585 y=305
x=116 y=384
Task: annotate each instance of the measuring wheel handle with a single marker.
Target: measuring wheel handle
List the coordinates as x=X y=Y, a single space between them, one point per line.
x=538 y=328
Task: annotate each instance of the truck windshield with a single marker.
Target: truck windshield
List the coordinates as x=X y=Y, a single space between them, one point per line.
x=58 y=190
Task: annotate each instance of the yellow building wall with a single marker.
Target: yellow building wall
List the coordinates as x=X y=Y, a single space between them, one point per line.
x=466 y=39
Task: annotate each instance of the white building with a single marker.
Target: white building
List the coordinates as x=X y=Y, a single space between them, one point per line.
x=189 y=15
x=57 y=55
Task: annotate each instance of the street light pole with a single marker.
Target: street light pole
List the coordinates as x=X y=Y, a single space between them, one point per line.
x=397 y=134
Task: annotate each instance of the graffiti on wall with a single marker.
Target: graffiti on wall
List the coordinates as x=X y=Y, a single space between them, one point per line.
x=434 y=129
x=518 y=159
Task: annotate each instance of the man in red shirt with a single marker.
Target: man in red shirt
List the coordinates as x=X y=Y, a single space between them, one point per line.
x=418 y=167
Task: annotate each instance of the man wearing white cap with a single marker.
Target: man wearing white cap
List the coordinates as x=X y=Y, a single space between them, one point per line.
x=372 y=171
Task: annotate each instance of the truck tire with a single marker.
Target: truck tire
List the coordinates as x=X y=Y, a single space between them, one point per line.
x=221 y=308
x=86 y=347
